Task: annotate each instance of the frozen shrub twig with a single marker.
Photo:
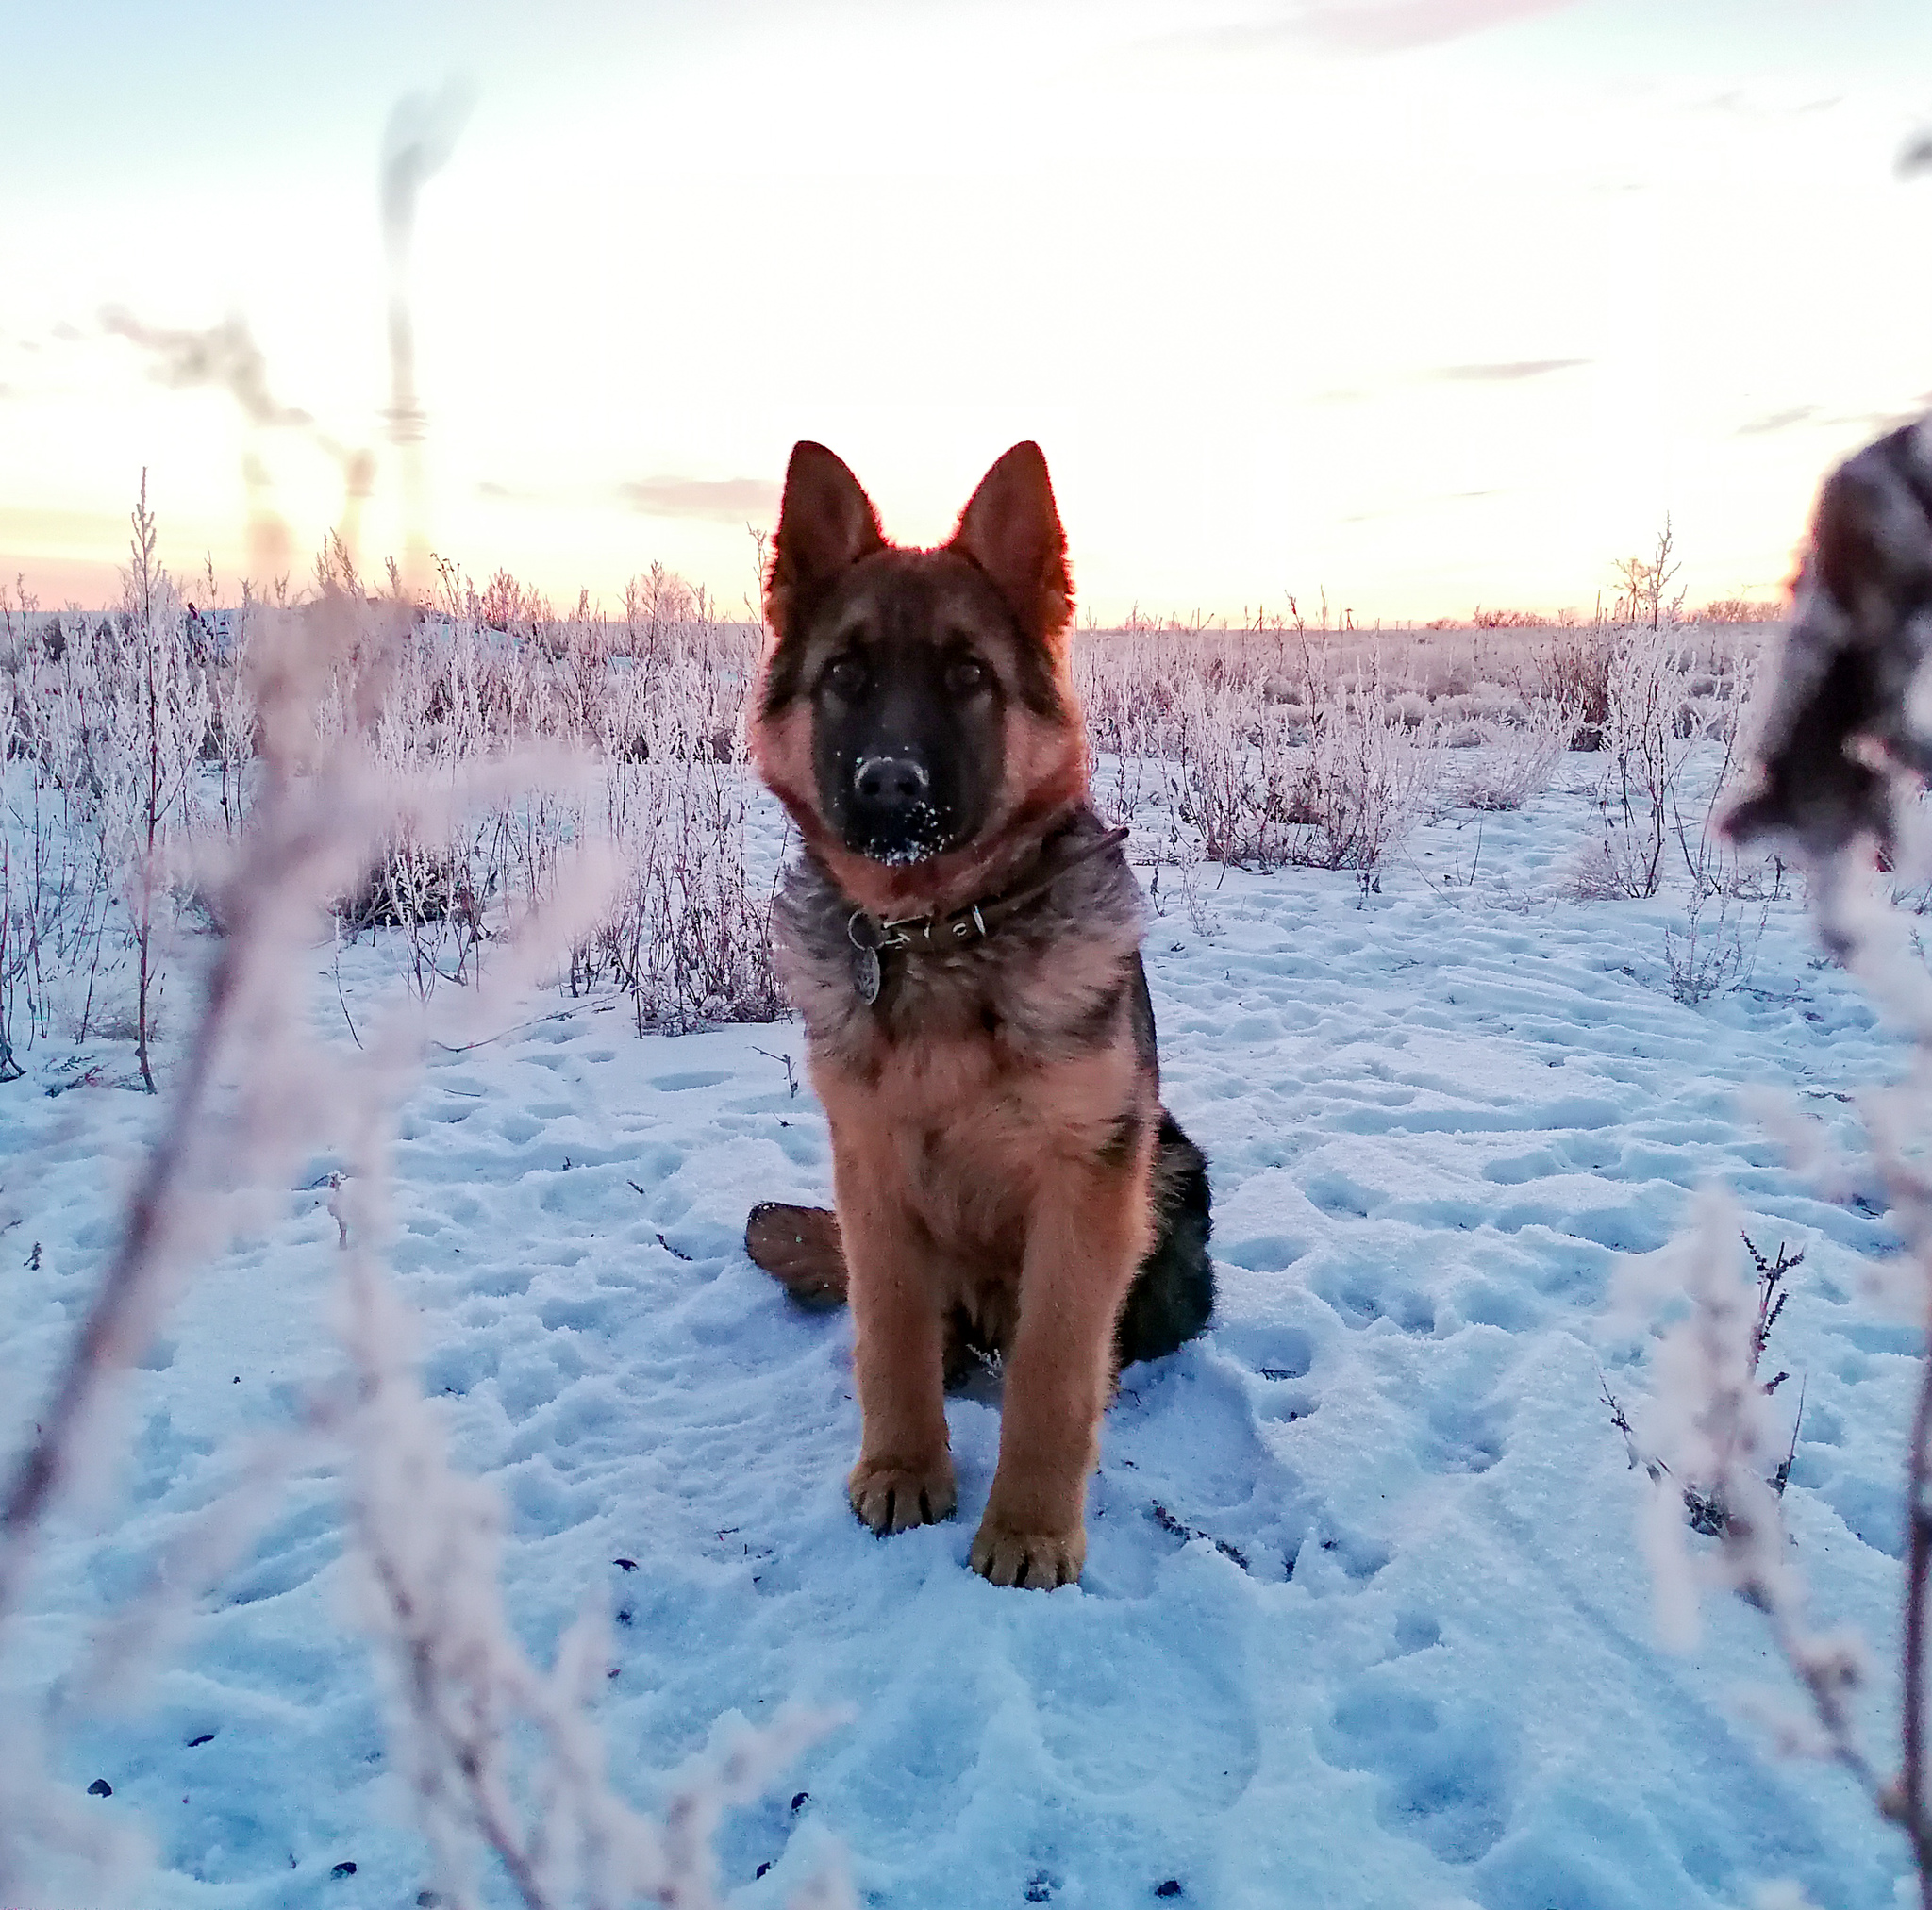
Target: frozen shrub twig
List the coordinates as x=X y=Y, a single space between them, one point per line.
x=303 y=841
x=1844 y=737
x=249 y=1094
x=1714 y=950
x=426 y=1545
x=1844 y=740
x=1710 y=1427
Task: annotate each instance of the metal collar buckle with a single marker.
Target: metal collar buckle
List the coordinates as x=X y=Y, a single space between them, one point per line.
x=870 y=937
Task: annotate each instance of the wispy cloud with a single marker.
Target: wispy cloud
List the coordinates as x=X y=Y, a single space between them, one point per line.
x=1412 y=505
x=717 y=500
x=1371 y=25
x=1388 y=25
x=1780 y=421
x=1759 y=102
x=1815 y=417
x=1508 y=372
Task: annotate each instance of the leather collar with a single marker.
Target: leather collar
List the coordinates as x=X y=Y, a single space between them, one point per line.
x=871 y=938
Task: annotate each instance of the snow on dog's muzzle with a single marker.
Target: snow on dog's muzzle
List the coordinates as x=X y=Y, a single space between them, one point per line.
x=893 y=816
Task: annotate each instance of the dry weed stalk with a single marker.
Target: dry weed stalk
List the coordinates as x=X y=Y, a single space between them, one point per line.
x=458 y=1682
x=1845 y=738
x=423 y=1538
x=1715 y=1436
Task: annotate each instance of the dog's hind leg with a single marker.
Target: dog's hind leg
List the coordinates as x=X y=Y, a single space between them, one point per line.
x=801 y=1249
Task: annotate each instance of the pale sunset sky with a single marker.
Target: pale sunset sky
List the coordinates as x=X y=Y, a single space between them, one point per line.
x=1424 y=303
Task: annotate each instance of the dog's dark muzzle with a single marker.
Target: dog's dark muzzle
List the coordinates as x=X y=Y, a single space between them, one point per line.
x=893 y=814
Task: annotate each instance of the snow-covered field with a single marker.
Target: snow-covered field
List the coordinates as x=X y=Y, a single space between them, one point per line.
x=1363 y=1621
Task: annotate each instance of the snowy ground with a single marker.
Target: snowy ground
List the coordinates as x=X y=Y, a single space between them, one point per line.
x=1411 y=1661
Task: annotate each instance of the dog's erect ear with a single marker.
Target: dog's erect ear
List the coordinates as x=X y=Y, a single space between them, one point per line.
x=825 y=523
x=1011 y=530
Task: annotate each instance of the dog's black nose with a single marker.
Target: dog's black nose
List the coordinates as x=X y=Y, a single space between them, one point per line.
x=891 y=782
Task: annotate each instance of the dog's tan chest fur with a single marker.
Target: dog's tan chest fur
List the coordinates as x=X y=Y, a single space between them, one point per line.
x=977 y=1131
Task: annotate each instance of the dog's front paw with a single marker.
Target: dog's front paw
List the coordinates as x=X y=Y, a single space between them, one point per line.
x=890 y=1497
x=1037 y=1559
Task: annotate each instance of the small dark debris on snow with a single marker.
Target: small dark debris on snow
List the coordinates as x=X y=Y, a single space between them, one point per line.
x=33 y=1260
x=1039 y=1890
x=626 y=1564
x=798 y=1803
x=761 y=1870
x=346 y=1868
x=626 y=1617
x=428 y=1900
x=1172 y=1887
x=1168 y=1522
x=206 y=1738
x=100 y=1788
x=675 y=1252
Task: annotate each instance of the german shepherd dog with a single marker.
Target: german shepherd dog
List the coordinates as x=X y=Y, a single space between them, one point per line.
x=961 y=936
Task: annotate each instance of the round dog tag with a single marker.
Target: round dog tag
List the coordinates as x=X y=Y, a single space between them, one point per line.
x=865 y=973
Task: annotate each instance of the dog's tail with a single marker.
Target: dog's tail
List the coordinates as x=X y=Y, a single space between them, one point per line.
x=801 y=1250
x=1170 y=1302
x=1172 y=1295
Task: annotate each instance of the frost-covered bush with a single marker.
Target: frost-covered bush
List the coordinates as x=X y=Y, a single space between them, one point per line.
x=1574 y=671
x=1410 y=709
x=132 y=741
x=107 y=790
x=1649 y=730
x=1516 y=759
x=1264 y=748
x=1366 y=780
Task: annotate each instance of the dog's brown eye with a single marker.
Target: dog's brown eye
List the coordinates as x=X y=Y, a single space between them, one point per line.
x=965 y=674
x=847 y=675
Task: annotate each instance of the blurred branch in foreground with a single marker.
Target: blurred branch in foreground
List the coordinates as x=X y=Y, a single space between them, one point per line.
x=1844 y=742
